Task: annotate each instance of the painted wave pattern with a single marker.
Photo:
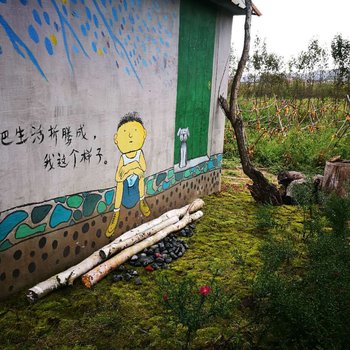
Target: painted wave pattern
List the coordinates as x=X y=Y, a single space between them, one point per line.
x=27 y=222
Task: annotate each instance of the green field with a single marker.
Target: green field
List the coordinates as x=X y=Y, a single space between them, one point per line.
x=296 y=135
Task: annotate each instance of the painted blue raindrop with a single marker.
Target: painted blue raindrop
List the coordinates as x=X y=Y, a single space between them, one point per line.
x=48 y=46
x=47 y=18
x=64 y=8
x=2 y=1
x=83 y=29
x=94 y=47
x=88 y=13
x=127 y=70
x=96 y=21
x=40 y=3
x=33 y=34
x=36 y=17
x=75 y=49
x=115 y=14
x=87 y=24
x=23 y=2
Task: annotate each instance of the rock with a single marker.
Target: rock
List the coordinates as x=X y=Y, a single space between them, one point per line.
x=192 y=226
x=128 y=277
x=150 y=252
x=117 y=278
x=138 y=281
x=149 y=268
x=155 y=266
x=155 y=246
x=183 y=233
x=147 y=261
x=161 y=246
x=121 y=268
x=134 y=258
x=168 y=260
x=159 y=260
x=133 y=272
x=143 y=255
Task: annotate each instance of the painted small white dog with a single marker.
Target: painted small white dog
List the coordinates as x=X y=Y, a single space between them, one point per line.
x=183 y=134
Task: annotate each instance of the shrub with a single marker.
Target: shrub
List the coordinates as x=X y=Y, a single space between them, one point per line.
x=303 y=287
x=193 y=305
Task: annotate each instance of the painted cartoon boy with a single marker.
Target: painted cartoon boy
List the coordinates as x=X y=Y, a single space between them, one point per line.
x=130 y=190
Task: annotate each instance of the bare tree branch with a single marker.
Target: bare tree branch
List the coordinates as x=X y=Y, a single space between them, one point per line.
x=262 y=190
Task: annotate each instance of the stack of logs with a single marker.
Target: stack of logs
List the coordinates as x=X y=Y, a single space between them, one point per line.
x=102 y=262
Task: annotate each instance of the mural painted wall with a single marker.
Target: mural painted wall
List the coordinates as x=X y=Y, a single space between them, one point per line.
x=79 y=166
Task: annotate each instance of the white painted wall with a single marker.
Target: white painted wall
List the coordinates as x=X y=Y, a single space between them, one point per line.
x=219 y=81
x=95 y=93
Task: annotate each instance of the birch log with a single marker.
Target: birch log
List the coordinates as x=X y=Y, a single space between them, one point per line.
x=68 y=276
x=180 y=212
x=160 y=223
x=99 y=272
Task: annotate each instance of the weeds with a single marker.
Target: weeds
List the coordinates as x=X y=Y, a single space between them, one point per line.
x=193 y=305
x=303 y=287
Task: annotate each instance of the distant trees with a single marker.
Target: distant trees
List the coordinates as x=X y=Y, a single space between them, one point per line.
x=340 y=48
x=308 y=74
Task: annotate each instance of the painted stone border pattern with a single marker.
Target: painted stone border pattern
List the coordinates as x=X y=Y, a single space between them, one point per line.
x=44 y=255
x=28 y=221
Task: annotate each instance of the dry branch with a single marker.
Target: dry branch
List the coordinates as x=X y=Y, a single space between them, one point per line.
x=99 y=272
x=261 y=190
x=68 y=276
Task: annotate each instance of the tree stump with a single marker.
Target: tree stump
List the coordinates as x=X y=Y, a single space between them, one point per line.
x=337 y=177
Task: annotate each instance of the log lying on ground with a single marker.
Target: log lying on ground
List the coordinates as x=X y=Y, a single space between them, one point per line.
x=68 y=276
x=180 y=212
x=164 y=221
x=99 y=272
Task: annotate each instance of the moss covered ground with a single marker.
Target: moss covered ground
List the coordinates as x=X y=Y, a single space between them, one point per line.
x=124 y=315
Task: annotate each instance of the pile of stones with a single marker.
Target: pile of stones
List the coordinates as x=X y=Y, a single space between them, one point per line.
x=156 y=257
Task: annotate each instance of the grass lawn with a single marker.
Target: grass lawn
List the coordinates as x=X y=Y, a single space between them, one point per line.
x=124 y=315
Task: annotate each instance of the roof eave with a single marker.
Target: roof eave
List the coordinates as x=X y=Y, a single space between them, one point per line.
x=234 y=9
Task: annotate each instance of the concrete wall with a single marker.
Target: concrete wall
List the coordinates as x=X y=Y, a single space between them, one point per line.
x=69 y=71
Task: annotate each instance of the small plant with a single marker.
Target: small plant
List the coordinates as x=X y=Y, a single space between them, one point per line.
x=265 y=219
x=303 y=288
x=337 y=211
x=193 y=305
x=308 y=198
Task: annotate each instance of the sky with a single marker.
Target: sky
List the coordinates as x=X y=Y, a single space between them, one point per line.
x=289 y=25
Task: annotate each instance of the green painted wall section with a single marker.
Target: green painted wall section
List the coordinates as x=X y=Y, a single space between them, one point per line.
x=196 y=51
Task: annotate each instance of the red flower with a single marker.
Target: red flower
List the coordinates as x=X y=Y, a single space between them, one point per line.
x=165 y=297
x=204 y=290
x=149 y=268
